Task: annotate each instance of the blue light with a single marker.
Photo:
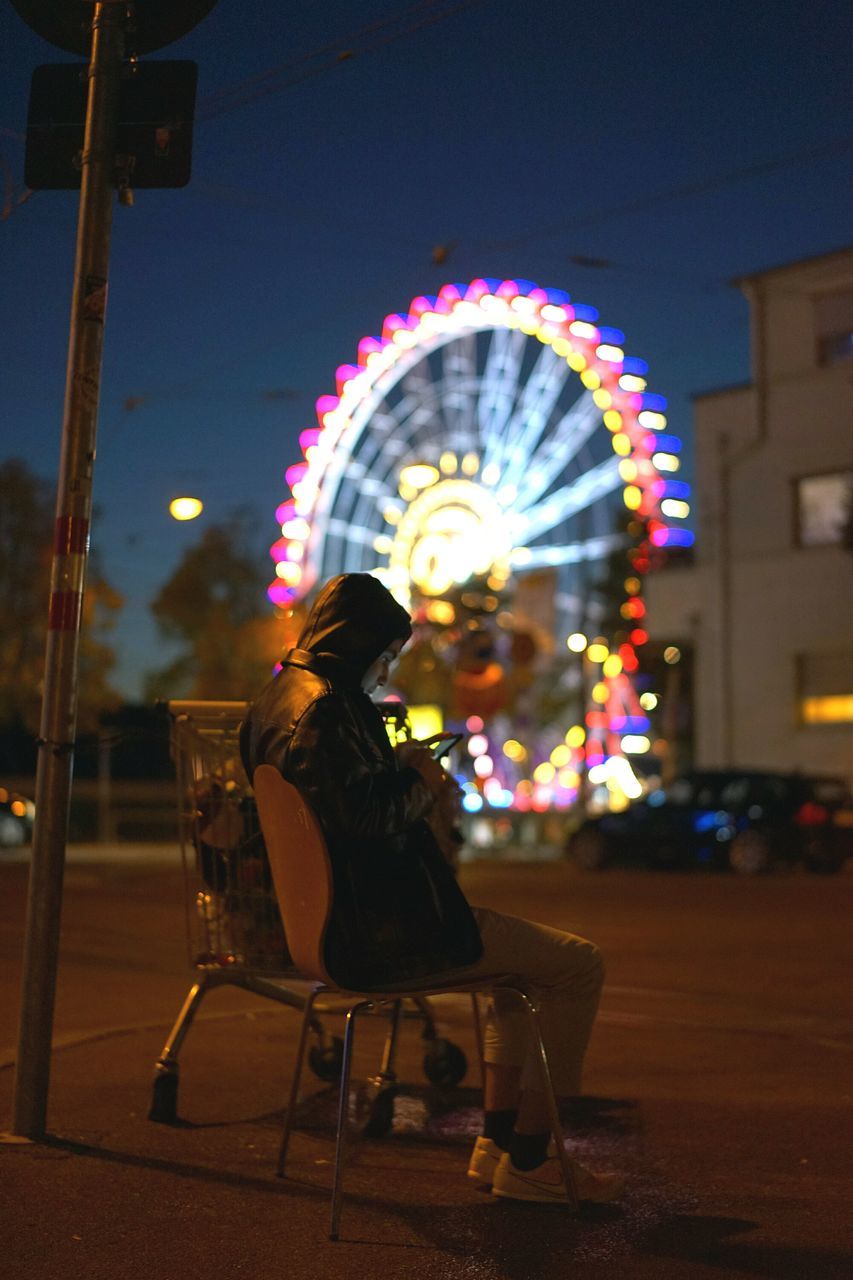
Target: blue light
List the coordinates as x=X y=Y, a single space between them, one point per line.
x=668 y=444
x=614 y=336
x=676 y=488
x=629 y=724
x=473 y=802
x=501 y=799
x=558 y=297
x=583 y=312
x=633 y=364
x=678 y=538
x=492 y=282
x=656 y=799
x=650 y=401
x=525 y=286
x=705 y=822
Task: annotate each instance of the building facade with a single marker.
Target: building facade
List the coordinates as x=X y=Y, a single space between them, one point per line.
x=767 y=606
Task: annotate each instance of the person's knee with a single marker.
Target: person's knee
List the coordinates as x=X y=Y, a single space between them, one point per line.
x=596 y=967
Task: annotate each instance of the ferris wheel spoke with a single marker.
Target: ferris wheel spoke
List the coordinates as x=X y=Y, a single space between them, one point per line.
x=348 y=532
x=557 y=450
x=529 y=419
x=557 y=554
x=584 y=490
x=500 y=380
x=460 y=390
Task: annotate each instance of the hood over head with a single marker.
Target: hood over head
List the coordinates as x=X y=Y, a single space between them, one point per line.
x=353 y=620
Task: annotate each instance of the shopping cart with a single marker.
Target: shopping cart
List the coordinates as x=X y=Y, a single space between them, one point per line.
x=234 y=930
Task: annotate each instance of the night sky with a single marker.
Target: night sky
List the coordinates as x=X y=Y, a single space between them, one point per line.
x=638 y=156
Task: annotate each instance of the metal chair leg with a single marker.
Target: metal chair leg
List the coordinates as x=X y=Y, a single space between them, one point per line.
x=289 y=1115
x=478 y=1036
x=387 y=1074
x=343 y=1116
x=550 y=1098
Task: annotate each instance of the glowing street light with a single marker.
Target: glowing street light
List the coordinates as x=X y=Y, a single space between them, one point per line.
x=185 y=508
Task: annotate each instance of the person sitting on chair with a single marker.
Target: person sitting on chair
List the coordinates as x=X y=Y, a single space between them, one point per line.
x=398 y=914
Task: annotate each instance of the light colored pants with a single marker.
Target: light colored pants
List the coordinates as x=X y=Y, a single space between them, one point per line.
x=562 y=973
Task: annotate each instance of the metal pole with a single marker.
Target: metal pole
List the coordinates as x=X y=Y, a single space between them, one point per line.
x=70 y=552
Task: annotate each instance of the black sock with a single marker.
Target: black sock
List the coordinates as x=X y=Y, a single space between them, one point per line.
x=527 y=1150
x=497 y=1125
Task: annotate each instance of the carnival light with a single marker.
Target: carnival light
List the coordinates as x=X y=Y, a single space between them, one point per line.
x=576 y=642
x=544 y=772
x=419 y=475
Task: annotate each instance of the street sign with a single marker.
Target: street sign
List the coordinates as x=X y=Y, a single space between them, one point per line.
x=151 y=24
x=156 y=102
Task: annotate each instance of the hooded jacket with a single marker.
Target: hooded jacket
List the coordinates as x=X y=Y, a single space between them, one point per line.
x=398 y=914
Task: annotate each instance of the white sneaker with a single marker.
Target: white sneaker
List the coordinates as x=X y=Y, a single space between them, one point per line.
x=545 y=1185
x=484 y=1161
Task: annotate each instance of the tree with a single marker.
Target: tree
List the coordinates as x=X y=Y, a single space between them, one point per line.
x=215 y=606
x=26 y=548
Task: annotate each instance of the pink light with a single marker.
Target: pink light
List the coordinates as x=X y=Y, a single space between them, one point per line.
x=345 y=373
x=279 y=593
x=476 y=290
x=366 y=348
x=326 y=404
x=420 y=304
x=392 y=323
x=285 y=511
x=278 y=550
x=507 y=289
x=308 y=438
x=295 y=473
x=449 y=293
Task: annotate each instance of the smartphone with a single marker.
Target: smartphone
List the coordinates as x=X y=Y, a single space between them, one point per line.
x=445 y=745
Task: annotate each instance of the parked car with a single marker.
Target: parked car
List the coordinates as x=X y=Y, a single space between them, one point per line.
x=16 y=819
x=745 y=819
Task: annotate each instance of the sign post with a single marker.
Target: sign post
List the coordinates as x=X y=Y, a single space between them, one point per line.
x=70 y=552
x=99 y=29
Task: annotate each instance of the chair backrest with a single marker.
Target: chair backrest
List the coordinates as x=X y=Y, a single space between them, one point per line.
x=301 y=870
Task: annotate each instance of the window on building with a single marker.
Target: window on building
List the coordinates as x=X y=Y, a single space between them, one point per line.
x=825 y=509
x=834 y=324
x=825 y=687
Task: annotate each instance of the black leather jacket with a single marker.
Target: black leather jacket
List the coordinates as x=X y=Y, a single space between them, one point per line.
x=398 y=913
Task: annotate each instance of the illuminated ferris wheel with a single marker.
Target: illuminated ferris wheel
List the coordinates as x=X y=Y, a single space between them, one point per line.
x=493 y=430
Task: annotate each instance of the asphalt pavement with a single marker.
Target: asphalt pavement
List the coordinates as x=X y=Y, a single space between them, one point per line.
x=718 y=1080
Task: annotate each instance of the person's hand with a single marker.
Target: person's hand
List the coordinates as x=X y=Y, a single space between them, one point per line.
x=430 y=770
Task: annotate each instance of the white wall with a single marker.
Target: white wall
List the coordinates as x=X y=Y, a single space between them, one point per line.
x=755 y=600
